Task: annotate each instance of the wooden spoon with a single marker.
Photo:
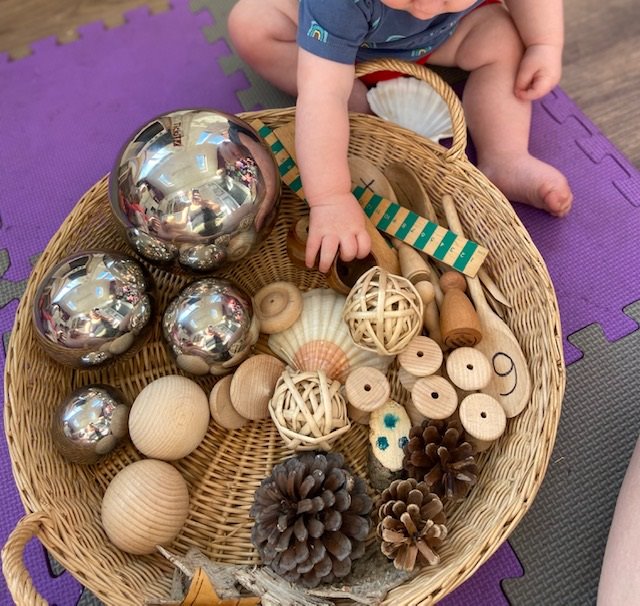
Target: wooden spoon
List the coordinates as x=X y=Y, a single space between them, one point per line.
x=510 y=382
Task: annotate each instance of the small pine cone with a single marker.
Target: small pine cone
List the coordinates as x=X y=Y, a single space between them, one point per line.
x=311 y=518
x=438 y=454
x=412 y=524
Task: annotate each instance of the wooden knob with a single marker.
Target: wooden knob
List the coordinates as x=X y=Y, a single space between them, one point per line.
x=482 y=417
x=421 y=357
x=434 y=397
x=277 y=306
x=468 y=368
x=430 y=314
x=297 y=241
x=253 y=384
x=367 y=388
x=222 y=410
x=459 y=323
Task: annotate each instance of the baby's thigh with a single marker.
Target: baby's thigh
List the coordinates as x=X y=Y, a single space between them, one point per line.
x=272 y=15
x=485 y=35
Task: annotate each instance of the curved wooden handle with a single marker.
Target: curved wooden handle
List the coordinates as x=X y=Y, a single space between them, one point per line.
x=16 y=575
x=459 y=126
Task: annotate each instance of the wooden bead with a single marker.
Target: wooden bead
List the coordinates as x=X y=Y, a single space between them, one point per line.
x=252 y=385
x=482 y=417
x=459 y=322
x=222 y=410
x=277 y=306
x=421 y=357
x=434 y=397
x=468 y=368
x=367 y=388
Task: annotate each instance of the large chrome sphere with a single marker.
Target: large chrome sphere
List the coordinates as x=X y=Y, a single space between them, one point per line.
x=90 y=422
x=210 y=326
x=92 y=307
x=195 y=189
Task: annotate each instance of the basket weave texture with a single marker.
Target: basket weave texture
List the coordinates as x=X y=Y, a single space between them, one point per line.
x=63 y=500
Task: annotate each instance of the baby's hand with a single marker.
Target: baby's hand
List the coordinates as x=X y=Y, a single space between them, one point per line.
x=337 y=223
x=539 y=71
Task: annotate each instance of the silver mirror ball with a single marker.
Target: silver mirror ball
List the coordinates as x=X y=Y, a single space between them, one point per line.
x=92 y=307
x=195 y=190
x=90 y=422
x=210 y=327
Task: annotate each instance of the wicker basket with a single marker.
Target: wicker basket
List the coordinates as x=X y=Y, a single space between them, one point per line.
x=63 y=500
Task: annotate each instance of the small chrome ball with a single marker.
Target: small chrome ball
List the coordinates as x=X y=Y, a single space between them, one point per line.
x=188 y=183
x=210 y=326
x=93 y=307
x=90 y=422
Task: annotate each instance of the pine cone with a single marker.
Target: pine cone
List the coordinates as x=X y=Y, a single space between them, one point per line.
x=438 y=454
x=312 y=518
x=412 y=524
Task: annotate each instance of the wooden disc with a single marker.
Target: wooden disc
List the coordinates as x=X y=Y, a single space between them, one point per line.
x=367 y=388
x=252 y=385
x=434 y=397
x=468 y=368
x=277 y=306
x=482 y=417
x=421 y=357
x=222 y=410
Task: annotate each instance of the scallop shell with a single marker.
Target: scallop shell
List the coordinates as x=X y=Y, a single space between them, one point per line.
x=319 y=339
x=413 y=104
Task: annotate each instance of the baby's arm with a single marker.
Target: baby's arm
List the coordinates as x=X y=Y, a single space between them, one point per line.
x=336 y=221
x=541 y=27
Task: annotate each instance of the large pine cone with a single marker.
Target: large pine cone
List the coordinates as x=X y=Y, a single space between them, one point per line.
x=438 y=454
x=312 y=518
x=412 y=524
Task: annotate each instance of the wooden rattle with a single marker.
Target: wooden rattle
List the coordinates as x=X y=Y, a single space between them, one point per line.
x=252 y=385
x=222 y=410
x=483 y=419
x=468 y=368
x=277 y=305
x=366 y=388
x=459 y=323
x=434 y=397
x=421 y=357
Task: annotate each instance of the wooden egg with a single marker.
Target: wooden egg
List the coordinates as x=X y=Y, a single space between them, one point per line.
x=389 y=428
x=252 y=385
x=421 y=357
x=434 y=397
x=222 y=410
x=469 y=369
x=146 y=504
x=169 y=418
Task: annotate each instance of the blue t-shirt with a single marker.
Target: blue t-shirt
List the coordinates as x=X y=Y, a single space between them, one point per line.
x=347 y=31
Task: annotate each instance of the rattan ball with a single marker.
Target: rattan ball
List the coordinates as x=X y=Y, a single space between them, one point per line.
x=383 y=312
x=308 y=410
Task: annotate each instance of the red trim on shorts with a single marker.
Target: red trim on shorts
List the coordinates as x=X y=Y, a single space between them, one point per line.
x=372 y=79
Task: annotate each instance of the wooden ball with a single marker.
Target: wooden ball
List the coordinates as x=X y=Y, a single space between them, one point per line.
x=146 y=504
x=222 y=410
x=253 y=384
x=169 y=418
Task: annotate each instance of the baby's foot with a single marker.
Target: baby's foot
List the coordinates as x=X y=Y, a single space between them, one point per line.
x=530 y=181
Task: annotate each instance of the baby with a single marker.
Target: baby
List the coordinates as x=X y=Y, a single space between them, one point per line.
x=309 y=48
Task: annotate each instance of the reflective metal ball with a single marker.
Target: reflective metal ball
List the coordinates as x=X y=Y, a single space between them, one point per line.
x=210 y=326
x=92 y=307
x=90 y=422
x=188 y=183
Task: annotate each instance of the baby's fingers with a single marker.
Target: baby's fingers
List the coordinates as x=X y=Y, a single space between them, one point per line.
x=328 y=252
x=364 y=244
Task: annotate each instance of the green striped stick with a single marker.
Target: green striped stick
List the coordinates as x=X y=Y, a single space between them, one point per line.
x=436 y=241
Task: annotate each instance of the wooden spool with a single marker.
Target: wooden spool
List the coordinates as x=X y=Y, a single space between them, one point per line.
x=422 y=357
x=222 y=410
x=366 y=388
x=459 y=323
x=483 y=418
x=252 y=385
x=277 y=306
x=434 y=397
x=468 y=368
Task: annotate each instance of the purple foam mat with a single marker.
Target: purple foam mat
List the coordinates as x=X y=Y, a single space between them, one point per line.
x=67 y=109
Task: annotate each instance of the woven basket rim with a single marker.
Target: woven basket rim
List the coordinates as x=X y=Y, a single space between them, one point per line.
x=440 y=581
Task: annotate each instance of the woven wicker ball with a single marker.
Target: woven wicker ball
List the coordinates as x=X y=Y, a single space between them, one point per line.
x=308 y=410
x=383 y=312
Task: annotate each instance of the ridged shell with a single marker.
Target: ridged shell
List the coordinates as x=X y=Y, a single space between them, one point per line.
x=413 y=104
x=320 y=339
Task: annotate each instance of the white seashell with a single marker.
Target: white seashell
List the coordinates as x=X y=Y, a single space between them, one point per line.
x=413 y=104
x=320 y=340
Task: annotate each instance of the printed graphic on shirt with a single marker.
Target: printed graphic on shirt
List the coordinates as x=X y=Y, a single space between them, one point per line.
x=317 y=32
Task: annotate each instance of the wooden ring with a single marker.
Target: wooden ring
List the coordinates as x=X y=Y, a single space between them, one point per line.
x=277 y=306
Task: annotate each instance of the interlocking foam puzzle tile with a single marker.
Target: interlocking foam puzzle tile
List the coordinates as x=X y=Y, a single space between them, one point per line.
x=561 y=540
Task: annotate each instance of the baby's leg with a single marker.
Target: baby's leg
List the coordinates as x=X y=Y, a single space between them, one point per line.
x=487 y=45
x=263 y=33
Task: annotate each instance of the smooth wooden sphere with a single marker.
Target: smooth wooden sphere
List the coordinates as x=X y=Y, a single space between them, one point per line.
x=146 y=504
x=169 y=418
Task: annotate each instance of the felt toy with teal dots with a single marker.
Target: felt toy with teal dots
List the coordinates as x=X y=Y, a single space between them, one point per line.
x=317 y=32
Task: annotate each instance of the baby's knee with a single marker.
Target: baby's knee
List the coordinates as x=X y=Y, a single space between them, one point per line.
x=241 y=20
x=505 y=39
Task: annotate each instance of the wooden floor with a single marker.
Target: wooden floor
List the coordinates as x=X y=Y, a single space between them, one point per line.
x=602 y=51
